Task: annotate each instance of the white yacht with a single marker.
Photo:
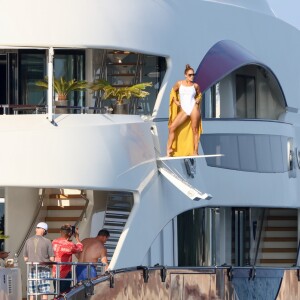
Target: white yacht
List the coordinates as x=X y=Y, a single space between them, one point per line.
x=227 y=216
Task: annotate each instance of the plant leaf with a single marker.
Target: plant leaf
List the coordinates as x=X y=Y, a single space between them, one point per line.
x=63 y=87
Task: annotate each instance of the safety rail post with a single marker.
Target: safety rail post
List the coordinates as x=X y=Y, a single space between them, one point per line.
x=73 y=273
x=50 y=83
x=89 y=272
x=36 y=281
x=57 y=281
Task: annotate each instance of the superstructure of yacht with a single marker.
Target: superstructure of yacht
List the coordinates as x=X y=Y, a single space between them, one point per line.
x=221 y=215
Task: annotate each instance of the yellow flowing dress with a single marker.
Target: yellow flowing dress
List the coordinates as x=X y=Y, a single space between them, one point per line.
x=183 y=144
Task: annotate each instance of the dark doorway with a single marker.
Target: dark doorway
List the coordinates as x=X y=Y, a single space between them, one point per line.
x=3 y=79
x=240 y=237
x=8 y=78
x=191 y=238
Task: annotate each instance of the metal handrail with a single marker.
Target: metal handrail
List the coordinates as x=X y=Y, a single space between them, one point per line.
x=259 y=236
x=166 y=270
x=84 y=209
x=32 y=224
x=298 y=255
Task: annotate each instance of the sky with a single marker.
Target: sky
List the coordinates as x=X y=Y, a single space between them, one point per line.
x=287 y=10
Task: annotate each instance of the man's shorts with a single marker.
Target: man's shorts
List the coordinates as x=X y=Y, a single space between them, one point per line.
x=40 y=285
x=82 y=272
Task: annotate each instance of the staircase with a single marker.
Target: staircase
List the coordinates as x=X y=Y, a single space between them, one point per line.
x=279 y=243
x=120 y=69
x=64 y=208
x=118 y=208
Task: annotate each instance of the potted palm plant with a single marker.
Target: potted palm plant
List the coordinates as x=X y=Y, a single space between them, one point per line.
x=2 y=236
x=63 y=88
x=121 y=94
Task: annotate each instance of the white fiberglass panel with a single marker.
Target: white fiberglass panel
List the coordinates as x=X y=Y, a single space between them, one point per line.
x=89 y=151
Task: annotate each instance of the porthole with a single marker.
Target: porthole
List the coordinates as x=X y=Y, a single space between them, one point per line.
x=298 y=157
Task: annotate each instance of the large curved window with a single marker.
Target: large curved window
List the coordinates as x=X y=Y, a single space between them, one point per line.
x=237 y=84
x=248 y=152
x=250 y=92
x=20 y=70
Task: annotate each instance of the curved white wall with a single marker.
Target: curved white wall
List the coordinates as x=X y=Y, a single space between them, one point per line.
x=181 y=30
x=82 y=151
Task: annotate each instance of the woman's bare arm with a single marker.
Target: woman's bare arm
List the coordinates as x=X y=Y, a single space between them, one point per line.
x=198 y=93
x=176 y=88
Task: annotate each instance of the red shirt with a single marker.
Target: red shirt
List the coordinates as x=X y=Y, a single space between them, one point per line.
x=63 y=250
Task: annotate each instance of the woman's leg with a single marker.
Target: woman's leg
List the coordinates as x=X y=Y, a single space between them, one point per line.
x=195 y=122
x=180 y=118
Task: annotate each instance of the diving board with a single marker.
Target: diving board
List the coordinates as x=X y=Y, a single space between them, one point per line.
x=191 y=156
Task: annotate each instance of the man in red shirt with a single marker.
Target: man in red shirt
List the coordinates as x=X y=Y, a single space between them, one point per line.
x=63 y=249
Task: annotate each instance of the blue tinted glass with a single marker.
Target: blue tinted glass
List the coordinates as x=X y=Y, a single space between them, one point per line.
x=247 y=152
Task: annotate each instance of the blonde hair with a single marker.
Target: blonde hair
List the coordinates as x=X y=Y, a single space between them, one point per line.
x=187 y=68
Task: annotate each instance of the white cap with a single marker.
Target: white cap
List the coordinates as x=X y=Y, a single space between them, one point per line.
x=42 y=225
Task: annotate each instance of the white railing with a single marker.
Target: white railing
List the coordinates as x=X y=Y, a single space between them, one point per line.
x=8 y=109
x=34 y=267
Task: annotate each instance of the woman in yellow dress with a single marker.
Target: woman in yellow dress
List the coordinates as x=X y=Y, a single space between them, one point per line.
x=185 y=116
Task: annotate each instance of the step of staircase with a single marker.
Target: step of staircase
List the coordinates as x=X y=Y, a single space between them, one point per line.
x=278 y=212
x=61 y=219
x=280 y=234
x=281 y=228
x=64 y=208
x=282 y=250
x=289 y=262
x=63 y=196
x=281 y=239
x=282 y=218
x=53 y=230
x=280 y=244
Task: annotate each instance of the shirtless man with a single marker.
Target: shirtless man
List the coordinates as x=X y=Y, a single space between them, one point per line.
x=93 y=249
x=4 y=254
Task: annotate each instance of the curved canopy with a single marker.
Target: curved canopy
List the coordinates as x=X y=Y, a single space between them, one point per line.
x=222 y=59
